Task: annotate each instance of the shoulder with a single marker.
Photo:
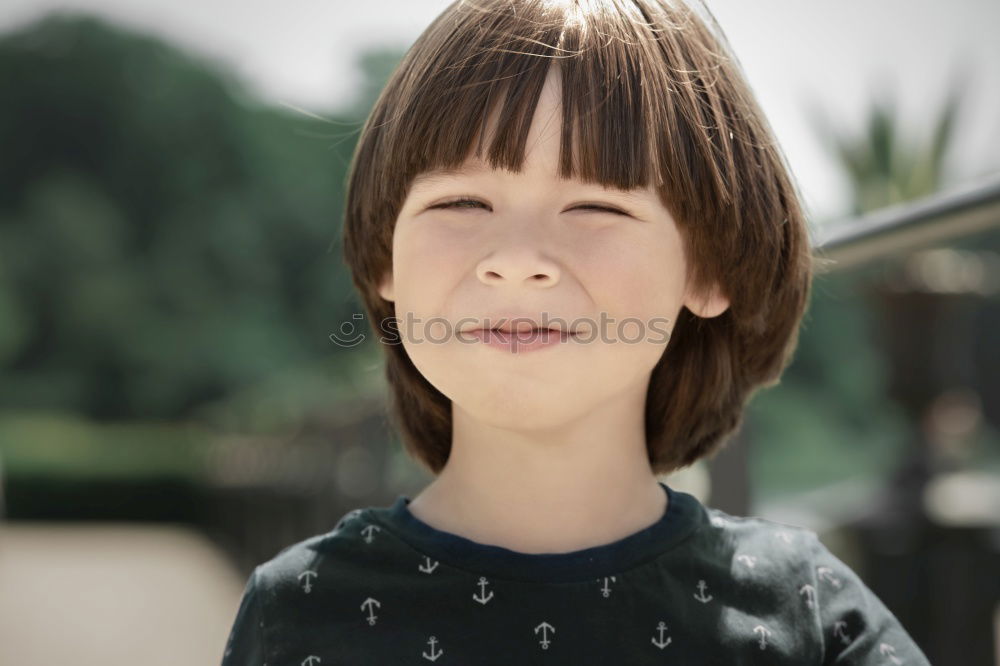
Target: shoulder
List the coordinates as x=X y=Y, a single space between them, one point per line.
x=299 y=563
x=774 y=563
x=759 y=549
x=764 y=563
x=762 y=534
x=854 y=625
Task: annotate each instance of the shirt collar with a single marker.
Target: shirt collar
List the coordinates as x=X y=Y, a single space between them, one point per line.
x=684 y=513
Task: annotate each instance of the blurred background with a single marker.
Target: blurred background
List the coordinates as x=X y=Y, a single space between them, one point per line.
x=173 y=412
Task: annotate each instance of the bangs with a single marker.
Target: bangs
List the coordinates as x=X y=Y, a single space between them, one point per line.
x=626 y=87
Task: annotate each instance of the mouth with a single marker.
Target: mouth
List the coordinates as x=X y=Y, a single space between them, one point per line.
x=529 y=330
x=523 y=340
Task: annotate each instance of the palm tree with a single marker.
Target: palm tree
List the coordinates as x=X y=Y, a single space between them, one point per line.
x=883 y=165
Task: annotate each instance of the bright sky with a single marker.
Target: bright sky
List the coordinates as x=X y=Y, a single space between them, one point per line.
x=834 y=52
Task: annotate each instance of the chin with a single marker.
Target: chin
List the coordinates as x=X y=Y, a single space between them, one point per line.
x=525 y=411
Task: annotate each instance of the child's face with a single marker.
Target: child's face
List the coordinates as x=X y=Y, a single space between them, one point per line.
x=530 y=250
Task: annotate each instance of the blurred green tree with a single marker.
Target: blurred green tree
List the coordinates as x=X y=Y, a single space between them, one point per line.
x=165 y=241
x=883 y=165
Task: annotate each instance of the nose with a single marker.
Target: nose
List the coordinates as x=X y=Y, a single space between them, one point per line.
x=515 y=266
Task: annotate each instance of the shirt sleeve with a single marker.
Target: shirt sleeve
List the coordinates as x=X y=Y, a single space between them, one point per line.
x=858 y=629
x=245 y=645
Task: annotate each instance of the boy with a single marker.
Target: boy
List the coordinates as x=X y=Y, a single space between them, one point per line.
x=575 y=219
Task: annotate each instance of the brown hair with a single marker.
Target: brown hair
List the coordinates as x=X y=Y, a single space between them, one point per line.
x=653 y=97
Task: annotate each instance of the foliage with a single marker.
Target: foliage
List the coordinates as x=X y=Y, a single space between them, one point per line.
x=164 y=241
x=65 y=445
x=883 y=165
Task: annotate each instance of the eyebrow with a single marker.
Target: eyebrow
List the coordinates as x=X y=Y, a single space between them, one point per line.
x=442 y=173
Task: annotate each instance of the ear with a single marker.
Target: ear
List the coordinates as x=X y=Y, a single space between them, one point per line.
x=385 y=288
x=708 y=305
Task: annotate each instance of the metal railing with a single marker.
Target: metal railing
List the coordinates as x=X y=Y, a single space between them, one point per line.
x=962 y=211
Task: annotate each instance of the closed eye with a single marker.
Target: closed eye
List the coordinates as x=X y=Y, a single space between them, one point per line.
x=457 y=204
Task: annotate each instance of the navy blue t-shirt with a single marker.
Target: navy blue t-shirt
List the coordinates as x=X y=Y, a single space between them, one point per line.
x=697 y=587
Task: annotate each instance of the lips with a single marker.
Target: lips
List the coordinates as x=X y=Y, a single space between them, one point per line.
x=518 y=342
x=528 y=330
x=518 y=323
x=504 y=335
x=523 y=330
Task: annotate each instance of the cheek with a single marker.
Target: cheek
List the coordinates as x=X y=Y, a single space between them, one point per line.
x=641 y=275
x=425 y=264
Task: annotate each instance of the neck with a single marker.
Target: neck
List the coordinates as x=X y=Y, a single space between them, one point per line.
x=544 y=491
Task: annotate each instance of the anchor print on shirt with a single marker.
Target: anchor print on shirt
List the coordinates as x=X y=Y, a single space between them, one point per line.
x=839 y=630
x=428 y=567
x=311 y=660
x=885 y=649
x=545 y=628
x=826 y=573
x=482 y=597
x=309 y=575
x=785 y=537
x=369 y=604
x=659 y=642
x=810 y=594
x=605 y=590
x=701 y=596
x=749 y=560
x=763 y=632
x=369 y=530
x=433 y=655
x=719 y=521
